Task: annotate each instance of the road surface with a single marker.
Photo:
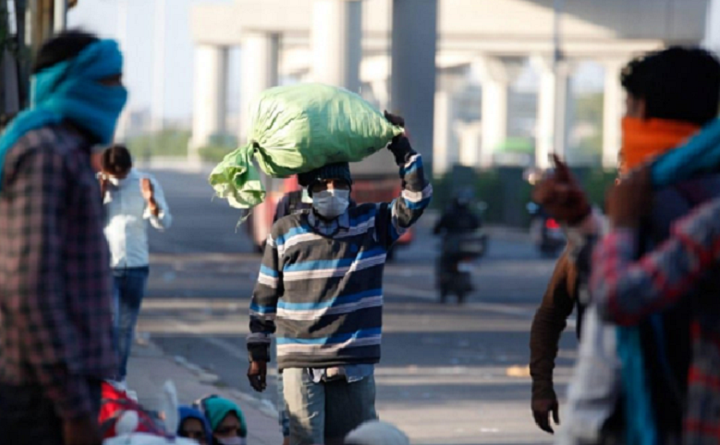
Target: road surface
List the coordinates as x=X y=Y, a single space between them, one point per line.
x=449 y=374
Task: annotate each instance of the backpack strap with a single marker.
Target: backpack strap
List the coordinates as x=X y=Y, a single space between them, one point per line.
x=294 y=200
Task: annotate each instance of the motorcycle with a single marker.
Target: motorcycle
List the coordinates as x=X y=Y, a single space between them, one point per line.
x=546 y=233
x=455 y=265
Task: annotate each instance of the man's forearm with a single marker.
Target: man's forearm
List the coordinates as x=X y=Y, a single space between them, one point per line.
x=417 y=191
x=627 y=290
x=544 y=338
x=262 y=327
x=258 y=351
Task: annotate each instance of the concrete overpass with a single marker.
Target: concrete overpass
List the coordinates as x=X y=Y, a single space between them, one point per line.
x=398 y=47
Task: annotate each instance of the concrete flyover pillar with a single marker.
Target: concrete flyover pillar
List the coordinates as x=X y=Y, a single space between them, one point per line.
x=613 y=110
x=445 y=140
x=497 y=75
x=469 y=143
x=209 y=109
x=259 y=68
x=553 y=126
x=413 y=70
x=337 y=43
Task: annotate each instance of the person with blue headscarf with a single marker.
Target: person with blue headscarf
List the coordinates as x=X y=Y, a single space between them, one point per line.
x=194 y=425
x=56 y=343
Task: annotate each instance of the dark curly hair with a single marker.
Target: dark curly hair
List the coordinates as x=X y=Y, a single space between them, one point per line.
x=116 y=160
x=676 y=83
x=64 y=46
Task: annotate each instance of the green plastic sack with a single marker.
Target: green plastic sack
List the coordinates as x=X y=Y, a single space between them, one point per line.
x=295 y=129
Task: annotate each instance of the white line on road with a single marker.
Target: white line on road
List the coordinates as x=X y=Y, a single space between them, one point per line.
x=430 y=295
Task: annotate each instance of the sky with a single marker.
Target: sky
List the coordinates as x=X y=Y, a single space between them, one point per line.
x=101 y=17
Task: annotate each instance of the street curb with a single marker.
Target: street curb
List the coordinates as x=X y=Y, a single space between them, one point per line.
x=264 y=406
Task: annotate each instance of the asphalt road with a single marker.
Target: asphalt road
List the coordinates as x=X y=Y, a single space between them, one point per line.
x=449 y=374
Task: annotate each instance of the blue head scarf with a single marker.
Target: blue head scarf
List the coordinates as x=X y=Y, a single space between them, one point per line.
x=71 y=90
x=187 y=412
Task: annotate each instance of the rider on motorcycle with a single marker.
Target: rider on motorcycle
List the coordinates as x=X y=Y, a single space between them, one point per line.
x=458 y=218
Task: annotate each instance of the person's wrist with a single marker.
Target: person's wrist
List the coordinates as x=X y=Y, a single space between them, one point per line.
x=578 y=218
x=400 y=147
x=543 y=389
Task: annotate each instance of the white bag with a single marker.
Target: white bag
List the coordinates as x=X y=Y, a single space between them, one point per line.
x=147 y=439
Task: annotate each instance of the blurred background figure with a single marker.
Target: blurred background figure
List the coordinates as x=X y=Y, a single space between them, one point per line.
x=671 y=95
x=131 y=199
x=459 y=217
x=461 y=244
x=55 y=301
x=194 y=425
x=227 y=421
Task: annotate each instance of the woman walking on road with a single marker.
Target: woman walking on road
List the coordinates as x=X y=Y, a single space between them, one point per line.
x=130 y=198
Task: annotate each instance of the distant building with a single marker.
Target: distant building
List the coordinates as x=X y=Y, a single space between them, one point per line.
x=480 y=48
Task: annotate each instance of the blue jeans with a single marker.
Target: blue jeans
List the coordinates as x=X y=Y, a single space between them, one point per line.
x=283 y=417
x=129 y=290
x=326 y=412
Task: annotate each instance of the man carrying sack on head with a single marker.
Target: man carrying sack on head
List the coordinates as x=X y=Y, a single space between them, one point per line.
x=320 y=287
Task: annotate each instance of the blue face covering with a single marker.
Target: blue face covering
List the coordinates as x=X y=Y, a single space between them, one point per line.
x=72 y=90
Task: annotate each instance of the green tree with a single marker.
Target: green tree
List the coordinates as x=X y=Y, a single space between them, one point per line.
x=590 y=111
x=167 y=143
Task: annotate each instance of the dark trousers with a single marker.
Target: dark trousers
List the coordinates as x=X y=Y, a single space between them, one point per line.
x=27 y=417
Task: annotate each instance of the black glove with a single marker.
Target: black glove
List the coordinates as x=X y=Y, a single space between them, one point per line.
x=545 y=411
x=400 y=145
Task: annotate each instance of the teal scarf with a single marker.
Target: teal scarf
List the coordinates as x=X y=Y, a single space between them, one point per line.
x=639 y=414
x=701 y=154
x=71 y=90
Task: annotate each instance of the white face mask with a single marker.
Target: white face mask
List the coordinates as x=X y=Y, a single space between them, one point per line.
x=115 y=181
x=306 y=198
x=331 y=203
x=231 y=440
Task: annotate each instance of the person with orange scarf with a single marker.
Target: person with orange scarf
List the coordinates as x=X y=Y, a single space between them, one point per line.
x=671 y=94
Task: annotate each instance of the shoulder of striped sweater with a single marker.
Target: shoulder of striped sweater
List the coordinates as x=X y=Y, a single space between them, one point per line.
x=288 y=222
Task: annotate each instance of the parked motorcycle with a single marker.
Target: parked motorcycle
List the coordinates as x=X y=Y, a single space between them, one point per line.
x=546 y=233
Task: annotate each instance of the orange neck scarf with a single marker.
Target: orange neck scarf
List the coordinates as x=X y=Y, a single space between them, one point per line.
x=644 y=139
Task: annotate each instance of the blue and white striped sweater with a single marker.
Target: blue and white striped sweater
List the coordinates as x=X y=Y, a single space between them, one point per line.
x=320 y=285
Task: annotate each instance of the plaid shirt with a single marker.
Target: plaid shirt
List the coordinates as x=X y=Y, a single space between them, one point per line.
x=627 y=291
x=55 y=288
